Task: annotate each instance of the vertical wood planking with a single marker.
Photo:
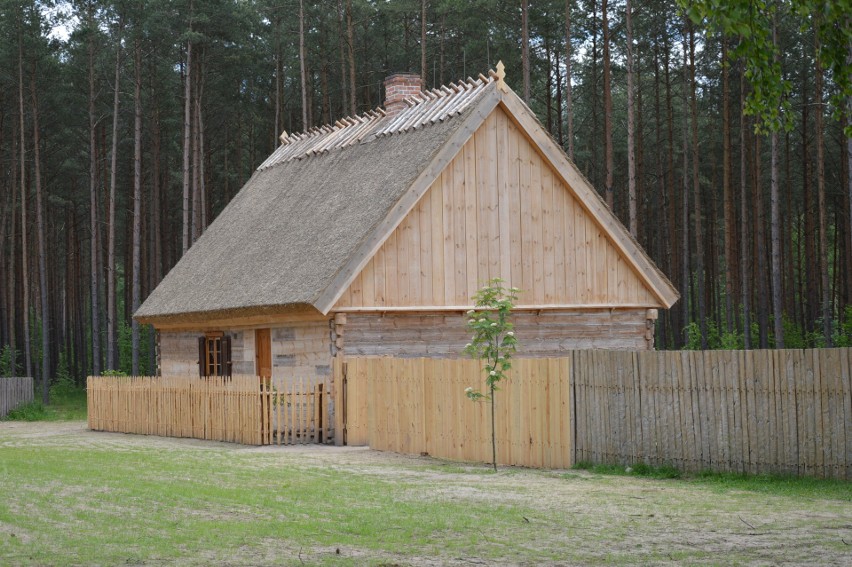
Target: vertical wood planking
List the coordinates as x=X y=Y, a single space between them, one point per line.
x=547 y=236
x=471 y=215
x=392 y=277
x=845 y=394
x=514 y=191
x=536 y=229
x=451 y=233
x=503 y=166
x=439 y=272
x=15 y=391
x=425 y=268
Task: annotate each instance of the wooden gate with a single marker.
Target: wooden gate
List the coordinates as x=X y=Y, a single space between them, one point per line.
x=296 y=411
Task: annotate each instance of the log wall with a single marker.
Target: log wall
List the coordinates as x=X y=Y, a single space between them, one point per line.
x=299 y=348
x=545 y=333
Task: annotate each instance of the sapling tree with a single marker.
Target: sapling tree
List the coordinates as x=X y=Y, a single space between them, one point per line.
x=493 y=342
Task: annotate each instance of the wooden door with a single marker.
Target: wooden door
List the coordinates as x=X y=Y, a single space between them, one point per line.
x=262 y=353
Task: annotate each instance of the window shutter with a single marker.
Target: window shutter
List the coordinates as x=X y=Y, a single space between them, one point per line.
x=202 y=355
x=225 y=353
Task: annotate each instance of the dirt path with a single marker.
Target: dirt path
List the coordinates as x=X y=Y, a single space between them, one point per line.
x=595 y=519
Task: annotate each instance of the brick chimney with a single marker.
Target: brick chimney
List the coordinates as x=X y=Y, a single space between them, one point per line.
x=398 y=87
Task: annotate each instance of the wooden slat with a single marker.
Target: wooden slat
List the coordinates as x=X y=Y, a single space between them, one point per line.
x=471 y=225
x=235 y=409
x=504 y=179
x=846 y=394
x=547 y=237
x=526 y=223
x=14 y=392
x=514 y=206
x=436 y=243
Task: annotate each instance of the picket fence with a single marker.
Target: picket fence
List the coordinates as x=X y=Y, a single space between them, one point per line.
x=14 y=392
x=239 y=409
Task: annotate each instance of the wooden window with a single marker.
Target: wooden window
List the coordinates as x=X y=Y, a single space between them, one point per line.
x=214 y=355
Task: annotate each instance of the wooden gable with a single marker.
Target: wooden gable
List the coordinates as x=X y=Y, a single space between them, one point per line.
x=498 y=209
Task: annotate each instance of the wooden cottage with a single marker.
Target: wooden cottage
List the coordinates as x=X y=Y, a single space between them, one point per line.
x=369 y=237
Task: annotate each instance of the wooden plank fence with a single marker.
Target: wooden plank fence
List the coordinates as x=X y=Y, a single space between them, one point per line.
x=239 y=409
x=419 y=406
x=14 y=392
x=762 y=411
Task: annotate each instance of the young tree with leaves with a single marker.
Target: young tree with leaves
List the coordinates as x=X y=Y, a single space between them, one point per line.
x=493 y=342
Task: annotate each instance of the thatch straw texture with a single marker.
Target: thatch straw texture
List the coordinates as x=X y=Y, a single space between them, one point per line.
x=292 y=227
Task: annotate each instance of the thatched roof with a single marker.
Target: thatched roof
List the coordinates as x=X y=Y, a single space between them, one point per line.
x=308 y=208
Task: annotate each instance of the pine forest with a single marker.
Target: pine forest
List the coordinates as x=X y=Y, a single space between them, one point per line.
x=719 y=133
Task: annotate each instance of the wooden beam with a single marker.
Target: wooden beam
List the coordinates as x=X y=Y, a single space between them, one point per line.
x=247 y=321
x=541 y=307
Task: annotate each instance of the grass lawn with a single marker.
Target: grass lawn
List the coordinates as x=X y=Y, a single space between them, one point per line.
x=67 y=405
x=75 y=497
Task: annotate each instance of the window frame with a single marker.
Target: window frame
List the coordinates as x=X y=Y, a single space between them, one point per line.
x=214 y=354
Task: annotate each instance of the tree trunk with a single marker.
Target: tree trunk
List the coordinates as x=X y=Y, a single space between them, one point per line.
x=679 y=316
x=423 y=70
x=441 y=51
x=137 y=202
x=609 y=191
x=760 y=242
x=279 y=67
x=350 y=35
x=198 y=197
x=823 y=220
x=326 y=102
x=696 y=187
x=662 y=242
x=569 y=100
x=112 y=328
x=42 y=248
x=93 y=203
x=848 y=146
x=187 y=137
x=305 y=124
x=811 y=277
x=685 y=259
x=560 y=134
x=10 y=276
x=591 y=140
x=727 y=196
x=631 y=129
x=25 y=281
x=775 y=235
x=525 y=48
x=548 y=91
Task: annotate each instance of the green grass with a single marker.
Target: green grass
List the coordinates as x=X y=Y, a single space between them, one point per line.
x=63 y=406
x=638 y=469
x=101 y=506
x=770 y=484
x=778 y=485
